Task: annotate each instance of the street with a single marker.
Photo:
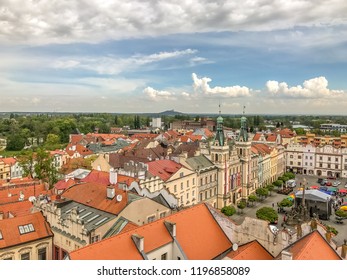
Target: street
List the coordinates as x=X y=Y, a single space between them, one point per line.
x=275 y=197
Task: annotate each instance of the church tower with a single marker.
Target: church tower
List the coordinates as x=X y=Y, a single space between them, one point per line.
x=220 y=155
x=243 y=146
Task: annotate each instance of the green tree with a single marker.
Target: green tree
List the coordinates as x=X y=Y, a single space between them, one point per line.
x=15 y=142
x=341 y=214
x=290 y=175
x=228 y=210
x=278 y=183
x=262 y=192
x=270 y=188
x=52 y=139
x=267 y=214
x=241 y=205
x=252 y=198
x=286 y=202
x=27 y=162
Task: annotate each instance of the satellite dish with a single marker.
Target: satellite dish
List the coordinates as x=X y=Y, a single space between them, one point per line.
x=119 y=198
x=235 y=247
x=32 y=198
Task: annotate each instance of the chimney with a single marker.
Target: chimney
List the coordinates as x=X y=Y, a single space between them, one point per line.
x=286 y=256
x=139 y=242
x=171 y=227
x=113 y=177
x=110 y=192
x=1 y=215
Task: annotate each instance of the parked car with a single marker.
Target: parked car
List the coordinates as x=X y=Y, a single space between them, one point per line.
x=320 y=181
x=329 y=184
x=336 y=183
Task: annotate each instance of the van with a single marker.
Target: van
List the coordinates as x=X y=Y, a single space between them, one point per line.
x=291 y=183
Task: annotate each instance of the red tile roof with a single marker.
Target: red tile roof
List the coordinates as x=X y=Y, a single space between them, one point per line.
x=9 y=161
x=198 y=233
x=10 y=231
x=103 y=177
x=9 y=195
x=140 y=136
x=312 y=246
x=63 y=184
x=262 y=148
x=94 y=195
x=163 y=168
x=250 y=251
x=19 y=208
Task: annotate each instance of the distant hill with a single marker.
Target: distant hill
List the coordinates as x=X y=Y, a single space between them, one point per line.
x=170 y=113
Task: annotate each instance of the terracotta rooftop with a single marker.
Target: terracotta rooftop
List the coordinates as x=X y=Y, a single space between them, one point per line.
x=250 y=251
x=163 y=168
x=9 y=195
x=18 y=208
x=312 y=246
x=63 y=184
x=103 y=177
x=95 y=195
x=9 y=161
x=198 y=233
x=10 y=231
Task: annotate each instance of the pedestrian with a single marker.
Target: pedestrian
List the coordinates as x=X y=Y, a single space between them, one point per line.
x=273 y=205
x=284 y=218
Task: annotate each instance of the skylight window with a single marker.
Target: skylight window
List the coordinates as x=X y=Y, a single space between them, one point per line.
x=101 y=221
x=93 y=218
x=80 y=211
x=85 y=215
x=68 y=211
x=26 y=228
x=1 y=237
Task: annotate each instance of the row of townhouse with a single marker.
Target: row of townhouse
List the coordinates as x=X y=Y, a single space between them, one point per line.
x=325 y=160
x=316 y=140
x=219 y=173
x=10 y=168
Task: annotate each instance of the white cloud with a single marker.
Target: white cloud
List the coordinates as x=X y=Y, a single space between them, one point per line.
x=158 y=95
x=56 y=21
x=202 y=86
x=116 y=65
x=313 y=88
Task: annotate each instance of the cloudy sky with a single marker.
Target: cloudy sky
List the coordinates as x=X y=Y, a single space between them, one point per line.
x=272 y=56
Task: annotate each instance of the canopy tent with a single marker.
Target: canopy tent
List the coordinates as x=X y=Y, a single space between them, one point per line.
x=314 y=195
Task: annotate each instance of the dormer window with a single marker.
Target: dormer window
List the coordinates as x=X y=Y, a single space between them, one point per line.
x=26 y=228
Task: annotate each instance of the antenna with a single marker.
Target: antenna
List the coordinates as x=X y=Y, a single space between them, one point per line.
x=119 y=198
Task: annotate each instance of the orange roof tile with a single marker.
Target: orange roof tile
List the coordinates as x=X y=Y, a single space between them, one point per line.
x=9 y=161
x=250 y=251
x=9 y=195
x=163 y=168
x=63 y=184
x=10 y=231
x=94 y=195
x=197 y=232
x=312 y=246
x=18 y=208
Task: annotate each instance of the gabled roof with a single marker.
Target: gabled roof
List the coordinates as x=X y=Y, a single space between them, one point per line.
x=190 y=148
x=83 y=151
x=250 y=251
x=312 y=246
x=262 y=148
x=163 y=168
x=64 y=184
x=18 y=208
x=10 y=230
x=95 y=195
x=103 y=177
x=9 y=161
x=197 y=232
x=118 y=160
x=199 y=162
x=9 y=195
